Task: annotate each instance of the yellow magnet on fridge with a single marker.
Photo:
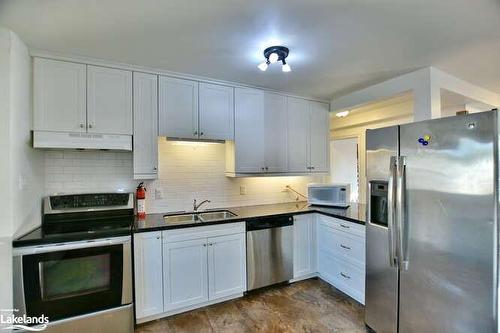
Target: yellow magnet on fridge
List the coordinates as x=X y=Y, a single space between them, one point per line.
x=427 y=137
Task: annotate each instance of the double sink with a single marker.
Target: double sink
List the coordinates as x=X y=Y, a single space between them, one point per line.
x=214 y=215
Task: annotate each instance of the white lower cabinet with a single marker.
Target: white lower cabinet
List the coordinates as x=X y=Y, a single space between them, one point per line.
x=182 y=269
x=185 y=273
x=341 y=255
x=148 y=274
x=304 y=246
x=226 y=266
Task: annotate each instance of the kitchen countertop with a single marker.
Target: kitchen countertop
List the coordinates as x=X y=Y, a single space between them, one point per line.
x=354 y=213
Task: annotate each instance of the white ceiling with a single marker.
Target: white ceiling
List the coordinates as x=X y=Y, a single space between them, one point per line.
x=337 y=46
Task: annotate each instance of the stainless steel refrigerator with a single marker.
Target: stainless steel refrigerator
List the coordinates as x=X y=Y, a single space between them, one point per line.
x=432 y=238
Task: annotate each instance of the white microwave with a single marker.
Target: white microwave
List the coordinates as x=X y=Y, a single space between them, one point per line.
x=336 y=195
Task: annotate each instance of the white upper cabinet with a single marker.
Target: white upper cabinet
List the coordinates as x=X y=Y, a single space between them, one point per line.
x=319 y=129
x=216 y=112
x=298 y=134
x=249 y=131
x=145 y=126
x=275 y=133
x=148 y=274
x=59 y=96
x=109 y=100
x=308 y=136
x=178 y=108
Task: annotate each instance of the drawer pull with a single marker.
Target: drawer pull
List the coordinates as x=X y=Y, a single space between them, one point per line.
x=345 y=247
x=345 y=226
x=345 y=275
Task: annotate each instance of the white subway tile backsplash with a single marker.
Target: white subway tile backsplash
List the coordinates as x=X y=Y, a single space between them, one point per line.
x=185 y=173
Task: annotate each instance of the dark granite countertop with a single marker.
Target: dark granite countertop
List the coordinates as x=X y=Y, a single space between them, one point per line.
x=354 y=213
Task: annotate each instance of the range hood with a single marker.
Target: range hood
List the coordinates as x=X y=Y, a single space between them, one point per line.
x=64 y=140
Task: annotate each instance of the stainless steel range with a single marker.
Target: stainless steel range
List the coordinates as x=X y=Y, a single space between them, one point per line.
x=76 y=268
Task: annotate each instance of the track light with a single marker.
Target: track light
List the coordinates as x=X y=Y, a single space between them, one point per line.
x=274 y=54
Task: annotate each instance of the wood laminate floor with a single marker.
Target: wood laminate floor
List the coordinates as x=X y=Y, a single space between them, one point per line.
x=307 y=306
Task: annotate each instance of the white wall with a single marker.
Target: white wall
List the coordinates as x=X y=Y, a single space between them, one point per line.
x=186 y=172
x=344 y=164
x=21 y=173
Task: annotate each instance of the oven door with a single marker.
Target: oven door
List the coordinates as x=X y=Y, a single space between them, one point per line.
x=62 y=281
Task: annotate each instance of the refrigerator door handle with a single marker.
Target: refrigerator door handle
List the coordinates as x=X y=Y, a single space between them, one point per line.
x=402 y=227
x=391 y=212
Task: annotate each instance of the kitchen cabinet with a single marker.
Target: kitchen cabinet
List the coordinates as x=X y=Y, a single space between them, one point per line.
x=178 y=108
x=59 y=96
x=298 y=140
x=192 y=110
x=258 y=148
x=319 y=158
x=275 y=135
x=185 y=273
x=109 y=100
x=216 y=112
x=145 y=141
x=308 y=136
x=148 y=274
x=304 y=246
x=341 y=255
x=226 y=265
x=249 y=140
x=202 y=265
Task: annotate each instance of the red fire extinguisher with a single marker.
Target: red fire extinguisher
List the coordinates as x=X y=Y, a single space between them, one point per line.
x=141 y=200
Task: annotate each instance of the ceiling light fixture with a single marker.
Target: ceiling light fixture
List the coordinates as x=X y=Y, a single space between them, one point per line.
x=274 y=54
x=342 y=114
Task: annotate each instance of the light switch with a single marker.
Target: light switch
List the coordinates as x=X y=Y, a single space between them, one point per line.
x=243 y=190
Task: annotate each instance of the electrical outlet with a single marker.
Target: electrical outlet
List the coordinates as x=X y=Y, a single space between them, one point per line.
x=158 y=194
x=243 y=190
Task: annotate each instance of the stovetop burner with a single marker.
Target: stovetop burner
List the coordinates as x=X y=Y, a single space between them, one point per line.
x=82 y=216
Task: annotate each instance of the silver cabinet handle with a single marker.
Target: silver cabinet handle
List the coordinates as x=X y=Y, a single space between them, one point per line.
x=195 y=132
x=345 y=226
x=90 y=125
x=312 y=168
x=158 y=237
x=82 y=125
x=262 y=168
x=345 y=247
x=154 y=168
x=204 y=245
x=201 y=133
x=390 y=212
x=267 y=168
x=344 y=275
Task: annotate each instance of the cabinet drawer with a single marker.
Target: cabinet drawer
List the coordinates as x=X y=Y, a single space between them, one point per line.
x=178 y=235
x=341 y=244
x=346 y=277
x=342 y=225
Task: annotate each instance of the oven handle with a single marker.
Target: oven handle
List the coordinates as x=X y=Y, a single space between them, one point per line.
x=70 y=246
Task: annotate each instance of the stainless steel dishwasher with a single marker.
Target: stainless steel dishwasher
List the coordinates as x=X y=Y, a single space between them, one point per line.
x=269 y=251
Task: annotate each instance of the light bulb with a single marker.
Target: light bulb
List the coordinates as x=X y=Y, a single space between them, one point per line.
x=273 y=58
x=286 y=68
x=342 y=114
x=263 y=66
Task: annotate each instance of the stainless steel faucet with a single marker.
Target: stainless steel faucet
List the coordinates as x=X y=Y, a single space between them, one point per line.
x=196 y=206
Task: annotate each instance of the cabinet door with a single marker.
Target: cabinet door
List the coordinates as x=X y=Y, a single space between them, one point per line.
x=145 y=126
x=275 y=132
x=178 y=108
x=185 y=273
x=304 y=249
x=216 y=112
x=109 y=97
x=226 y=265
x=148 y=274
x=249 y=130
x=298 y=135
x=320 y=128
x=59 y=92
